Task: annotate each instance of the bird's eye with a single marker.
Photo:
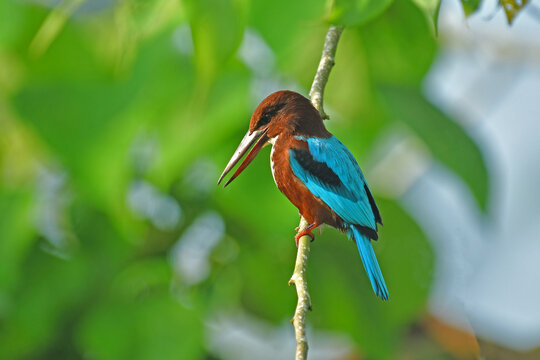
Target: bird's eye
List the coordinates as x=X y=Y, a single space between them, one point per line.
x=264 y=120
x=268 y=114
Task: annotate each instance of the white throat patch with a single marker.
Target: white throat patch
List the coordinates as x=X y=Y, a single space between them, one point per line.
x=272 y=141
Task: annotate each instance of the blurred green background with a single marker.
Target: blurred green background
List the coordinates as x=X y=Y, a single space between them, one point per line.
x=116 y=118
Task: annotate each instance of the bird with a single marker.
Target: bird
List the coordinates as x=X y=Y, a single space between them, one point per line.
x=315 y=171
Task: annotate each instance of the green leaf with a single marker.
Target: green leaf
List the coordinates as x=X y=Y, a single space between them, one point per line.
x=53 y=25
x=217 y=27
x=88 y=118
x=512 y=8
x=470 y=6
x=354 y=12
x=398 y=46
x=53 y=293
x=265 y=293
x=204 y=123
x=431 y=10
x=154 y=327
x=49 y=289
x=285 y=25
x=139 y=319
x=18 y=24
x=72 y=107
x=16 y=232
x=448 y=142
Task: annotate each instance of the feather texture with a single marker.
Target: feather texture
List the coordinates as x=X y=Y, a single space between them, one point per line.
x=330 y=172
x=328 y=159
x=370 y=262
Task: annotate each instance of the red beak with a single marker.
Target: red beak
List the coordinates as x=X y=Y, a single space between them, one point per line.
x=245 y=144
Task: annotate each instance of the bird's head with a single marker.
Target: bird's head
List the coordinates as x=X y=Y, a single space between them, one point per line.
x=281 y=113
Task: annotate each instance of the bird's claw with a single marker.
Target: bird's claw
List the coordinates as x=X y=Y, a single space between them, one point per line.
x=306 y=231
x=300 y=234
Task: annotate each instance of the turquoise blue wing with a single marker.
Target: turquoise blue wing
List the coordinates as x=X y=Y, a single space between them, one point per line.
x=328 y=169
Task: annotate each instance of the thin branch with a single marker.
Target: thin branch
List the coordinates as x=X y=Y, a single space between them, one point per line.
x=325 y=65
x=299 y=275
x=298 y=278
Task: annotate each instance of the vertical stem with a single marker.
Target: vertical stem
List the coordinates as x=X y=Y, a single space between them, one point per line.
x=298 y=278
x=325 y=65
x=299 y=275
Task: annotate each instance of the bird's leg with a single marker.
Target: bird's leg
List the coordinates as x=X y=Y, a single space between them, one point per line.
x=298 y=227
x=306 y=231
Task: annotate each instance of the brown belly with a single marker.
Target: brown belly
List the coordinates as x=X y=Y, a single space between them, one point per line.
x=310 y=207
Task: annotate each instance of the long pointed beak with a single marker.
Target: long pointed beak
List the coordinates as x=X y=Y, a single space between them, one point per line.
x=245 y=144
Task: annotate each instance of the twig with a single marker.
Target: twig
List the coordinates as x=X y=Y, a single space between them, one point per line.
x=299 y=275
x=325 y=65
x=304 y=302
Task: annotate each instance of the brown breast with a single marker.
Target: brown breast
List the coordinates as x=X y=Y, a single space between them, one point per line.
x=311 y=208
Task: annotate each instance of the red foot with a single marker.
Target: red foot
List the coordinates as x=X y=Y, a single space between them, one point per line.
x=306 y=231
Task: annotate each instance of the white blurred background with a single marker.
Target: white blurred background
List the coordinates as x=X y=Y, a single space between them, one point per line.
x=487 y=77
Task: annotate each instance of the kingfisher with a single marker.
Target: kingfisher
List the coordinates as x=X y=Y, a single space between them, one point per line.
x=315 y=171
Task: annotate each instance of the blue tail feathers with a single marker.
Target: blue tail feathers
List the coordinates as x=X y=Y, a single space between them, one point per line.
x=370 y=262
